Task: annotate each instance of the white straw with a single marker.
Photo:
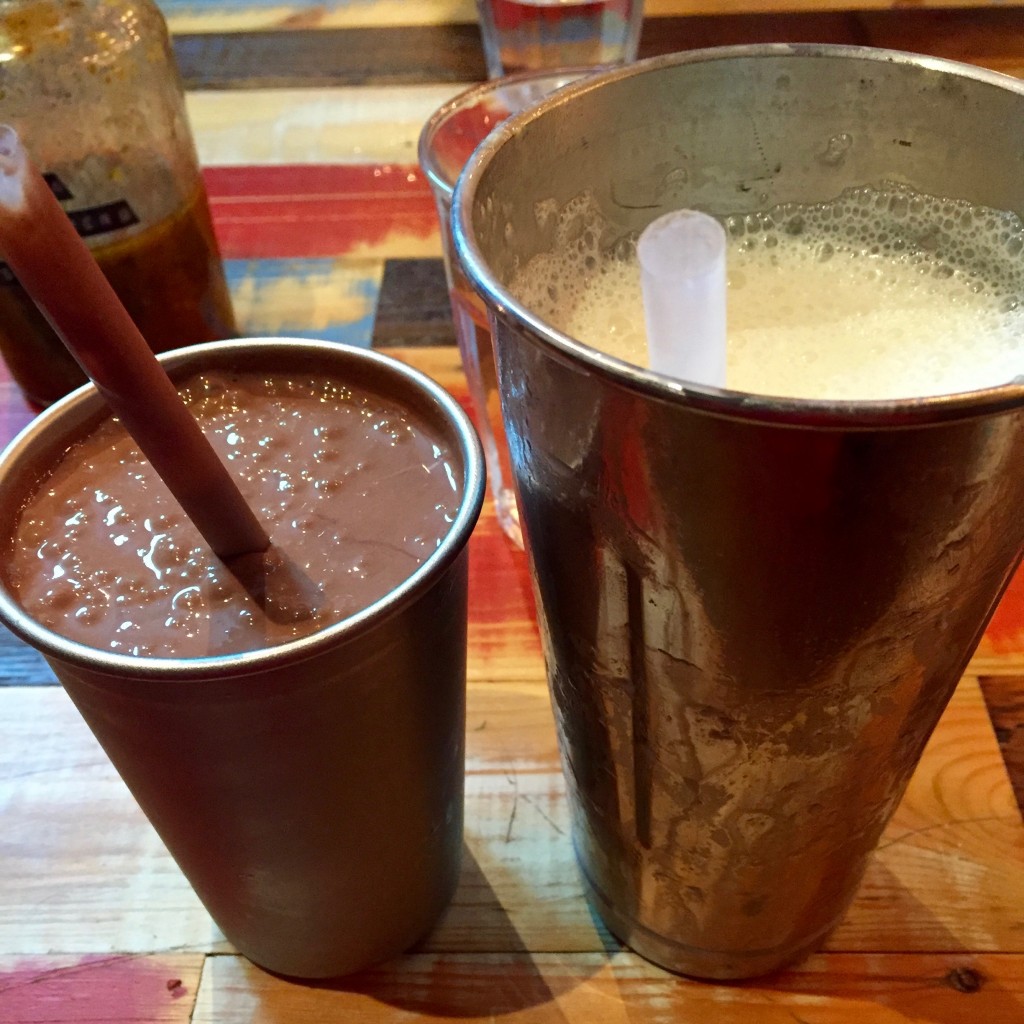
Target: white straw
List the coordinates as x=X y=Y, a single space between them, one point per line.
x=682 y=275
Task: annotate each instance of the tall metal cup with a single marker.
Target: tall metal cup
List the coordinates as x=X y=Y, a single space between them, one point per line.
x=754 y=610
x=312 y=792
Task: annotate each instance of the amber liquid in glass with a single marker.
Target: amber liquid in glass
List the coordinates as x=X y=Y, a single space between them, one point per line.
x=170 y=279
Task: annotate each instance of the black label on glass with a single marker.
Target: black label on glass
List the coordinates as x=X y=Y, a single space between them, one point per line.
x=97 y=220
x=57 y=187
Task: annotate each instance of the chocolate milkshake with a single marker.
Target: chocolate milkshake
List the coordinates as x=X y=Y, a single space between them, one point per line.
x=355 y=490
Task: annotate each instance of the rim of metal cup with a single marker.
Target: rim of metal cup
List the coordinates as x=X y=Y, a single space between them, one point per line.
x=425 y=151
x=846 y=415
x=85 y=403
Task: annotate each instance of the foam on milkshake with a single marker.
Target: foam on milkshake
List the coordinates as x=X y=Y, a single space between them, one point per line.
x=878 y=294
x=352 y=487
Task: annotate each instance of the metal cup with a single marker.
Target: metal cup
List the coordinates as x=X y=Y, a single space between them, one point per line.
x=312 y=793
x=754 y=609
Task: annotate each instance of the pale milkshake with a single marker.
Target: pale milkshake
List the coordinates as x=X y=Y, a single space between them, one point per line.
x=880 y=294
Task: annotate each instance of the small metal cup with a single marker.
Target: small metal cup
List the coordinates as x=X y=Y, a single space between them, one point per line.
x=312 y=793
x=754 y=609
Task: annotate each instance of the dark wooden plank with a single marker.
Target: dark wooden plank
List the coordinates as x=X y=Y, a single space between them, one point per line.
x=412 y=306
x=992 y=37
x=311 y=57
x=20 y=665
x=989 y=38
x=1004 y=697
x=671 y=35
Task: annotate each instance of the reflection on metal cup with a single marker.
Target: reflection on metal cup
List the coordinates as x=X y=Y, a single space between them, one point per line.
x=754 y=609
x=311 y=792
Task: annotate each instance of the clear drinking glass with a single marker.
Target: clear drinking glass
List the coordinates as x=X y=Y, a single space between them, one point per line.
x=446 y=143
x=521 y=35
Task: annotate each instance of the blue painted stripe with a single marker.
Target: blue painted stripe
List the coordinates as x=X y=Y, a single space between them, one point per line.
x=280 y=297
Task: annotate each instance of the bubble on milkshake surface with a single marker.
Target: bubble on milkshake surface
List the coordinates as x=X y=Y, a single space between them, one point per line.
x=880 y=293
x=198 y=605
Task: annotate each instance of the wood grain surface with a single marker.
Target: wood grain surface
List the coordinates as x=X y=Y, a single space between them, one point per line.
x=451 y=52
x=583 y=988
x=99 y=925
x=98 y=989
x=218 y=16
x=88 y=889
x=620 y=988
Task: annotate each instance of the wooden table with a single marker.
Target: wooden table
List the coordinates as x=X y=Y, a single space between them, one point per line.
x=306 y=120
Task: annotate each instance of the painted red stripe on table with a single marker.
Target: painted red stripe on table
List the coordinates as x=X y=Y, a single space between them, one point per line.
x=94 y=989
x=316 y=209
x=499 y=579
x=1005 y=633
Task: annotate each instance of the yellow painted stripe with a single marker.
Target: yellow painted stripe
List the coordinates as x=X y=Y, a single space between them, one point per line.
x=352 y=124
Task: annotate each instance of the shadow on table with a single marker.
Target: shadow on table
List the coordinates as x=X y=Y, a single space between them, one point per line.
x=949 y=986
x=475 y=984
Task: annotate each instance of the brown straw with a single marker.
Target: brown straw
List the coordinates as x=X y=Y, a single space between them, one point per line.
x=57 y=270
